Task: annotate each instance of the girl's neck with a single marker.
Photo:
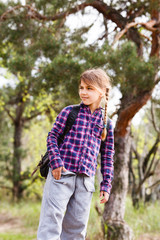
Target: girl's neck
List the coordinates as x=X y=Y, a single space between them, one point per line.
x=94 y=106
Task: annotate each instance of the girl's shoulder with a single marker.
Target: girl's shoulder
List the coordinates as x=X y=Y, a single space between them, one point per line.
x=66 y=110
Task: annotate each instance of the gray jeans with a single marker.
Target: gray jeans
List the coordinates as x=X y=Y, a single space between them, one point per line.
x=65 y=207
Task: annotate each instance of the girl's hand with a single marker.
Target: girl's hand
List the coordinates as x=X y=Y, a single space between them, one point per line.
x=104 y=196
x=57 y=172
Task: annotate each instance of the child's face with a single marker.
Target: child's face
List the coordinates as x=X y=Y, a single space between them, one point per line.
x=89 y=94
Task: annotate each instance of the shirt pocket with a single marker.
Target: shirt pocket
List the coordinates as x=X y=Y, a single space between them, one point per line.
x=97 y=131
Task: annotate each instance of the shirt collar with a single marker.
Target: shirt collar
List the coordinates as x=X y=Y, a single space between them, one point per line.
x=86 y=106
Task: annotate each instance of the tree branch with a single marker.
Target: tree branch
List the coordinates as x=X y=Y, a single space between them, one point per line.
x=35 y=14
x=147 y=174
x=127 y=113
x=5 y=187
x=157 y=78
x=153 y=150
x=156 y=164
x=149 y=26
x=107 y=11
x=153 y=119
x=155 y=48
x=154 y=184
x=150 y=166
x=114 y=113
x=26 y=119
x=29 y=184
x=131 y=167
x=133 y=148
x=9 y=114
x=137 y=13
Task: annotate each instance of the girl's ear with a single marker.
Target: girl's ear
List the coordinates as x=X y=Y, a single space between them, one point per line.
x=102 y=94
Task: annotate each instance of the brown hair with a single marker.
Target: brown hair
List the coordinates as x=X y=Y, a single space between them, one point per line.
x=99 y=79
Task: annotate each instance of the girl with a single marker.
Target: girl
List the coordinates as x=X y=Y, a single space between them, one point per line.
x=70 y=182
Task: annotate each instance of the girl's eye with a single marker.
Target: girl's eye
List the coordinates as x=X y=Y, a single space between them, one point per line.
x=88 y=88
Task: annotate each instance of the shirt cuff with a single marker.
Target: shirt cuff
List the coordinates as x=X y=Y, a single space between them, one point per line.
x=105 y=188
x=56 y=163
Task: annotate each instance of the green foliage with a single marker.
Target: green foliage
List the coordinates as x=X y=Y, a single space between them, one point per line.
x=93 y=56
x=46 y=60
x=6 y=152
x=34 y=55
x=144 y=137
x=49 y=7
x=131 y=73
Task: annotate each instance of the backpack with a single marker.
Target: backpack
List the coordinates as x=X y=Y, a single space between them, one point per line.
x=43 y=164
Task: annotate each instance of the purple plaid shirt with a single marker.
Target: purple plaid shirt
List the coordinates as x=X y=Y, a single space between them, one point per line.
x=82 y=144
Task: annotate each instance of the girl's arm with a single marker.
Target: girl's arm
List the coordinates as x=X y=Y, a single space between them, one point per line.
x=107 y=153
x=52 y=139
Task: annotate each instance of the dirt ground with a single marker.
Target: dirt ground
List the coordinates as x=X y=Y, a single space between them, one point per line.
x=149 y=237
x=8 y=223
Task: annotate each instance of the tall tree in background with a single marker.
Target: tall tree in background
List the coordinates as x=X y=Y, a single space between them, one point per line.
x=35 y=58
x=135 y=79
x=144 y=155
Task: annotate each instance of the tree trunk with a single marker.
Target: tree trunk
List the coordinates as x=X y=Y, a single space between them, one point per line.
x=141 y=176
x=113 y=216
x=114 y=210
x=17 y=162
x=18 y=127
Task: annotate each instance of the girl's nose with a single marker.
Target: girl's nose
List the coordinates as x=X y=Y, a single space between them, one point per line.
x=83 y=91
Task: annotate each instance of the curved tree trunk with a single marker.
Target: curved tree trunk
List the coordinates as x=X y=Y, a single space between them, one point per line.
x=114 y=210
x=17 y=156
x=113 y=216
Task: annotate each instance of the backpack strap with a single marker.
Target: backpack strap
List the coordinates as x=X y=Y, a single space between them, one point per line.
x=43 y=163
x=70 y=121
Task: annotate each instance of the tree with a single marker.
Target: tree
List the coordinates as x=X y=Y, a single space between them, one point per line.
x=5 y=150
x=144 y=156
x=32 y=55
x=125 y=16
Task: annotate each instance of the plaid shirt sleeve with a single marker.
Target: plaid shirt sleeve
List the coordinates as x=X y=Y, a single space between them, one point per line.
x=107 y=153
x=52 y=139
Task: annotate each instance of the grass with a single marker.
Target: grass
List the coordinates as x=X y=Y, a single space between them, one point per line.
x=11 y=236
x=146 y=219
x=94 y=230
x=28 y=212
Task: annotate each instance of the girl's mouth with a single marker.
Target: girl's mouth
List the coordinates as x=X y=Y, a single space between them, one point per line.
x=84 y=97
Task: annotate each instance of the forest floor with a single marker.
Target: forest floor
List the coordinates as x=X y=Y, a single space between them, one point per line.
x=8 y=223
x=12 y=228
x=12 y=224
x=149 y=237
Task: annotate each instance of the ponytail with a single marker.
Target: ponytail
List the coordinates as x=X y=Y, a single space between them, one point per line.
x=104 y=133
